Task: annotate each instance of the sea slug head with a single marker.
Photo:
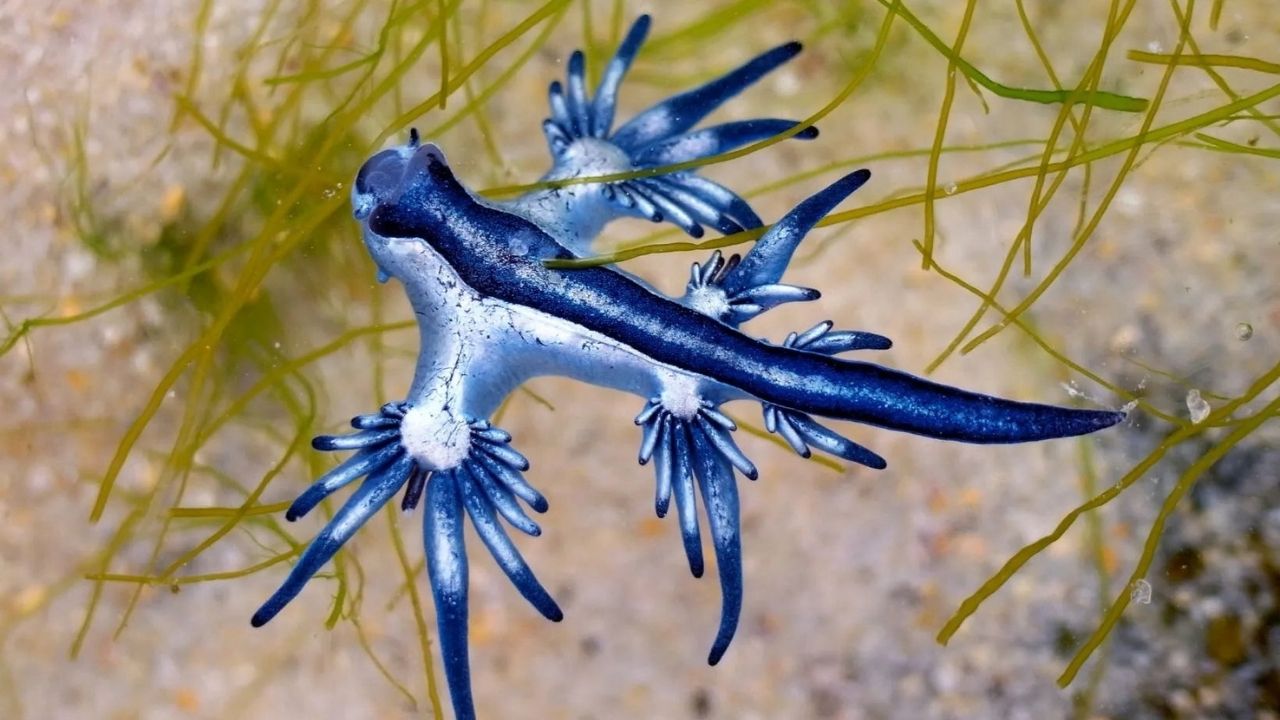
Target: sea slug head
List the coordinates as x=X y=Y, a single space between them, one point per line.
x=383 y=177
x=414 y=184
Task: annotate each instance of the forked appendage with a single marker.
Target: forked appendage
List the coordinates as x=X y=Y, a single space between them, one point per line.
x=800 y=430
x=660 y=136
x=385 y=465
x=485 y=485
x=740 y=288
x=705 y=292
x=490 y=478
x=700 y=447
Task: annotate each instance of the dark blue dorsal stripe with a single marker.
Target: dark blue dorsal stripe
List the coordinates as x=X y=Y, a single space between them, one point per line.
x=500 y=256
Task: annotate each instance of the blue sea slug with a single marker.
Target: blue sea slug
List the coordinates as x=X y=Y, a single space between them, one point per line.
x=492 y=315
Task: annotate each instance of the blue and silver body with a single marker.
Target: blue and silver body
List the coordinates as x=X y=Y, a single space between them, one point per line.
x=492 y=315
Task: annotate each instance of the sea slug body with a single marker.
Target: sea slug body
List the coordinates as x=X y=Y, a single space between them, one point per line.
x=492 y=315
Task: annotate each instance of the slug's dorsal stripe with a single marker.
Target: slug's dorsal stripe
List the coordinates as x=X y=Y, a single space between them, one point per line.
x=476 y=241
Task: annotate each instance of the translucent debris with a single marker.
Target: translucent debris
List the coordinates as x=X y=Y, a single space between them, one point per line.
x=1140 y=594
x=1197 y=406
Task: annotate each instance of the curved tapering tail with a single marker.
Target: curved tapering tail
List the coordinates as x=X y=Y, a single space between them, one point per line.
x=872 y=394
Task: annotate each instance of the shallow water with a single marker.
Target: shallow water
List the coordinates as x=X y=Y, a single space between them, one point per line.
x=849 y=574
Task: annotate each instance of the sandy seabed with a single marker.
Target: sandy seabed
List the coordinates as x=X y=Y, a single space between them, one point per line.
x=849 y=576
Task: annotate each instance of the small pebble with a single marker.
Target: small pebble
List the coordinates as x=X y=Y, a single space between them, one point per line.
x=1244 y=331
x=171 y=202
x=29 y=599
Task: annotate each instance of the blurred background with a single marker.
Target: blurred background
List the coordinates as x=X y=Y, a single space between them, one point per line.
x=186 y=301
